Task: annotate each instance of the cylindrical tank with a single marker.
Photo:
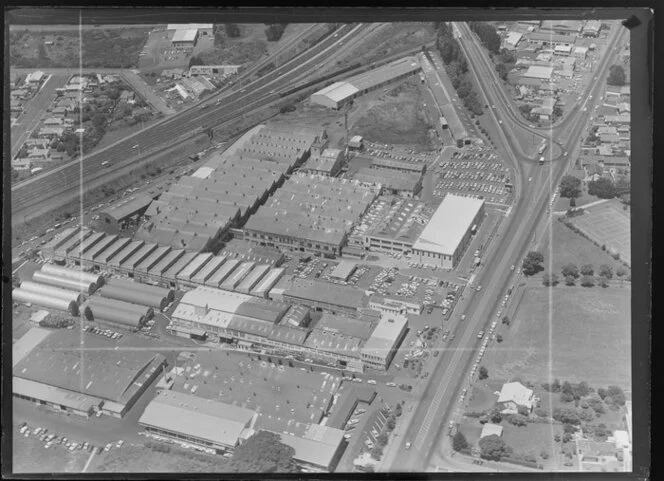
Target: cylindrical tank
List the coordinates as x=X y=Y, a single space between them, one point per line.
x=29 y=297
x=66 y=294
x=63 y=282
x=76 y=274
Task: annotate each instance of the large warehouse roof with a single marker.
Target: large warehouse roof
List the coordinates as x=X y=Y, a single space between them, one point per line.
x=453 y=120
x=535 y=71
x=385 y=335
x=449 y=224
x=128 y=207
x=96 y=371
x=213 y=421
x=188 y=35
x=306 y=291
x=318 y=446
x=338 y=91
x=27 y=343
x=54 y=395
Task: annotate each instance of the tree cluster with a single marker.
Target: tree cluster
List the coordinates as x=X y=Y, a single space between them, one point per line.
x=532 y=264
x=494 y=448
x=232 y=30
x=459 y=442
x=274 y=31
x=604 y=188
x=487 y=34
x=616 y=75
x=457 y=68
x=570 y=187
x=263 y=453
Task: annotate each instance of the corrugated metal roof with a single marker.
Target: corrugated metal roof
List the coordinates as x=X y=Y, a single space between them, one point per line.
x=212 y=421
x=54 y=395
x=448 y=224
x=194 y=266
x=27 y=343
x=127 y=208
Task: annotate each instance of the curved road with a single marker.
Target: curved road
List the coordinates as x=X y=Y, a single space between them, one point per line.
x=450 y=373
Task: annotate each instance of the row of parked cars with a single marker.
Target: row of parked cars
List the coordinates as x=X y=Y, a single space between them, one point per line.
x=51 y=439
x=102 y=332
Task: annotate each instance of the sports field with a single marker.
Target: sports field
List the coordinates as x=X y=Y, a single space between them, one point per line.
x=608 y=224
x=582 y=335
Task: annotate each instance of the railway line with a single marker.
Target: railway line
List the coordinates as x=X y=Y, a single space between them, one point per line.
x=73 y=176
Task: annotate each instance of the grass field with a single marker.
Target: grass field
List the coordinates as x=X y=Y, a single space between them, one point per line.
x=568 y=246
x=590 y=338
x=30 y=456
x=608 y=224
x=397 y=118
x=140 y=459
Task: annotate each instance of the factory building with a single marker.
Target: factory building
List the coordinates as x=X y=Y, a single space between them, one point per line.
x=118 y=312
x=51 y=374
x=562 y=27
x=592 y=28
x=198 y=211
x=446 y=236
x=392 y=224
x=204 y=422
x=450 y=120
x=319 y=295
x=328 y=163
x=402 y=166
x=380 y=348
x=537 y=72
x=391 y=182
x=310 y=214
x=136 y=293
x=121 y=214
x=202 y=28
x=24 y=296
x=546 y=39
x=340 y=93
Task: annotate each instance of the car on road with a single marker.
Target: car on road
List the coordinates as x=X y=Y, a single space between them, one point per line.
x=371 y=381
x=463 y=317
x=408 y=444
x=512 y=267
x=119 y=443
x=479 y=288
x=480 y=335
x=108 y=447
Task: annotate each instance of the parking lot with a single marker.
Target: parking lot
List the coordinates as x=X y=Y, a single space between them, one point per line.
x=390 y=152
x=476 y=171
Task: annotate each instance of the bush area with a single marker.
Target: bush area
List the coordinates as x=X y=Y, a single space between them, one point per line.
x=275 y=31
x=457 y=68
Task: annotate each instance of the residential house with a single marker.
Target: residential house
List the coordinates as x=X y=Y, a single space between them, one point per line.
x=16 y=106
x=51 y=121
x=51 y=132
x=127 y=96
x=21 y=164
x=609 y=138
x=59 y=111
x=623 y=107
x=607 y=130
x=605 y=150
x=38 y=154
x=593 y=172
x=514 y=395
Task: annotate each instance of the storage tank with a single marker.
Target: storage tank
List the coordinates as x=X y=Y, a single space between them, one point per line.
x=112 y=314
x=63 y=282
x=28 y=297
x=76 y=274
x=66 y=294
x=136 y=296
x=143 y=311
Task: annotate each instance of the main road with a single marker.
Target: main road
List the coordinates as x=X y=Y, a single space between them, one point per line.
x=34 y=195
x=450 y=373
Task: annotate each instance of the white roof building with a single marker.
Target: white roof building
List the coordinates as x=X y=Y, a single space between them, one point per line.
x=539 y=72
x=562 y=49
x=187 y=26
x=188 y=35
x=621 y=439
x=449 y=224
x=513 y=38
x=515 y=394
x=379 y=349
x=489 y=429
x=35 y=77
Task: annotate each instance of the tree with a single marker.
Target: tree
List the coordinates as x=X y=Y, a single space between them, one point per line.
x=391 y=423
x=398 y=409
x=570 y=187
x=523 y=410
x=606 y=271
x=493 y=448
x=532 y=264
x=483 y=372
x=382 y=439
x=464 y=89
x=602 y=188
x=196 y=60
x=99 y=121
x=616 y=395
x=506 y=320
x=496 y=417
x=616 y=75
x=376 y=452
x=570 y=270
x=587 y=281
x=566 y=415
x=263 y=453
x=503 y=70
x=550 y=279
x=274 y=32
x=603 y=281
x=572 y=202
x=569 y=280
x=499 y=338
x=232 y=30
x=621 y=271
x=459 y=442
x=587 y=270
x=555 y=387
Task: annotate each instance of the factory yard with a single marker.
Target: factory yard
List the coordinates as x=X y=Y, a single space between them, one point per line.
x=476 y=170
x=577 y=319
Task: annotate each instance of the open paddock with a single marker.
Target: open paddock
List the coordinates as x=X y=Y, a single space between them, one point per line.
x=608 y=224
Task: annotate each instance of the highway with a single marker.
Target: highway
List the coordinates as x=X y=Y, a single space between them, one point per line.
x=34 y=194
x=450 y=373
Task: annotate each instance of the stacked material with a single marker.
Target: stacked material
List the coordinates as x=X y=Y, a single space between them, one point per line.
x=120 y=312
x=63 y=282
x=137 y=293
x=64 y=294
x=29 y=297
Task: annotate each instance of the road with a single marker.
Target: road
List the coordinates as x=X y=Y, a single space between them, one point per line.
x=33 y=195
x=35 y=109
x=450 y=373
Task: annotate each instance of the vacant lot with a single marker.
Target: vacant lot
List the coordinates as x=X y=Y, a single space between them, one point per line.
x=582 y=335
x=608 y=224
x=108 y=48
x=567 y=246
x=396 y=118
